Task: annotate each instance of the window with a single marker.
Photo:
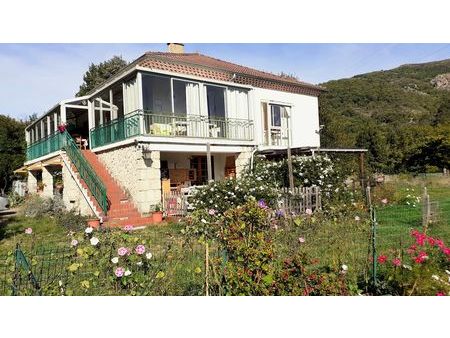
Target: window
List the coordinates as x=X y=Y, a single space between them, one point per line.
x=157 y=94
x=275 y=114
x=216 y=101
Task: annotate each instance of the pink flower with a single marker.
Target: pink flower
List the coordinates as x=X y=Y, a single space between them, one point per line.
x=211 y=212
x=431 y=240
x=396 y=262
x=74 y=242
x=301 y=240
x=421 y=257
x=308 y=212
x=128 y=227
x=28 y=231
x=446 y=251
x=382 y=259
x=384 y=201
x=122 y=251
x=440 y=293
x=119 y=272
x=140 y=249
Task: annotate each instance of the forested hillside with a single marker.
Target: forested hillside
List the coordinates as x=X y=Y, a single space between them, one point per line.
x=401 y=115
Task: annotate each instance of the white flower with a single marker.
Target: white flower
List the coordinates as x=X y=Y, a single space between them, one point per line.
x=88 y=230
x=436 y=277
x=204 y=221
x=115 y=260
x=148 y=255
x=447 y=272
x=344 y=267
x=60 y=283
x=139 y=263
x=407 y=267
x=127 y=273
x=94 y=241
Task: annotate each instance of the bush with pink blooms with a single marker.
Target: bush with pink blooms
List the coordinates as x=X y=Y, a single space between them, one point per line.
x=422 y=268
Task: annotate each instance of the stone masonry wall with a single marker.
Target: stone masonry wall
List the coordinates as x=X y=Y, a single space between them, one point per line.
x=72 y=196
x=243 y=161
x=140 y=178
x=47 y=179
x=31 y=183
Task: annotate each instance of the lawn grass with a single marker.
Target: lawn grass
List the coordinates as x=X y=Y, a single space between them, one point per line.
x=396 y=220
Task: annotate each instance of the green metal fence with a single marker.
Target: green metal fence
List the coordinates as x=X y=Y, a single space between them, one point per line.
x=87 y=173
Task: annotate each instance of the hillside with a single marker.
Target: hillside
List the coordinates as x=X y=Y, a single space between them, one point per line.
x=394 y=113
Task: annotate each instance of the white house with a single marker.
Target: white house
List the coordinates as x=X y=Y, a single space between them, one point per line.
x=147 y=129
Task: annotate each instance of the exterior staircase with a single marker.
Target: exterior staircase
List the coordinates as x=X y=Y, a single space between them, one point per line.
x=121 y=210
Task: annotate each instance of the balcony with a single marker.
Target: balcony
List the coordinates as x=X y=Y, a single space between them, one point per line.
x=169 y=125
x=45 y=146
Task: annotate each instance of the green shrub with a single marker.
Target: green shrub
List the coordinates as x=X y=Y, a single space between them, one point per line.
x=37 y=206
x=71 y=220
x=15 y=199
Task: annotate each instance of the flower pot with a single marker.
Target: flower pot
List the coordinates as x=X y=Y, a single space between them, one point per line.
x=157 y=216
x=93 y=222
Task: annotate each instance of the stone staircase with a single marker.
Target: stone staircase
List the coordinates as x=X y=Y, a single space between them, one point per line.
x=121 y=210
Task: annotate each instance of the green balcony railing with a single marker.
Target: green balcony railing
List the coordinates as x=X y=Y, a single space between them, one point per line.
x=85 y=170
x=45 y=146
x=148 y=123
x=116 y=130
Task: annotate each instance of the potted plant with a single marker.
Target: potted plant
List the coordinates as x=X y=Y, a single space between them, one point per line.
x=62 y=128
x=157 y=214
x=93 y=222
x=59 y=184
x=40 y=186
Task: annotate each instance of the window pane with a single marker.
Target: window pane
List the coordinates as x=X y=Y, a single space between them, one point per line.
x=179 y=97
x=156 y=94
x=276 y=115
x=216 y=101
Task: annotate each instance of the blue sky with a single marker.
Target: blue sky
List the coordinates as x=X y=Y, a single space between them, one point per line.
x=33 y=77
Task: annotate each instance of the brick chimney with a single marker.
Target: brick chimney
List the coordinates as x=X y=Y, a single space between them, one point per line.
x=175 y=48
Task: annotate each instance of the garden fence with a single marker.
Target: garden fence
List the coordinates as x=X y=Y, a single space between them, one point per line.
x=299 y=199
x=392 y=226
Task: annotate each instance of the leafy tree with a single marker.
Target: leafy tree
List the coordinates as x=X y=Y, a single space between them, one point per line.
x=12 y=149
x=98 y=73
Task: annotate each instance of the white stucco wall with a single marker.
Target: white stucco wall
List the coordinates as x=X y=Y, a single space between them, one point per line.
x=304 y=115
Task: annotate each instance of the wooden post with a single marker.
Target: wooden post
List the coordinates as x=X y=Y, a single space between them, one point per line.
x=207 y=269
x=208 y=161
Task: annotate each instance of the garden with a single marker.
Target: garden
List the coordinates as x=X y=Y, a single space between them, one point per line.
x=238 y=240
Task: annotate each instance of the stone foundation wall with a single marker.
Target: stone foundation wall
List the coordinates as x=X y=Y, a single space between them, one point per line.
x=140 y=178
x=72 y=196
x=242 y=161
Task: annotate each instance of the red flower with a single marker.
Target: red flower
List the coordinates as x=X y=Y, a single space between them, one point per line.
x=440 y=293
x=431 y=240
x=381 y=259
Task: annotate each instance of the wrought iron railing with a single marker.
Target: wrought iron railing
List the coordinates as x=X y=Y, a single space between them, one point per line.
x=85 y=170
x=45 y=146
x=171 y=125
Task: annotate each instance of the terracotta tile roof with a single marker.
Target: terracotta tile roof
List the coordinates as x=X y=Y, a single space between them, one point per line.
x=211 y=68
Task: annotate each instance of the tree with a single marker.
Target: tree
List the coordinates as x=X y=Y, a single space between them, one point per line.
x=12 y=149
x=98 y=73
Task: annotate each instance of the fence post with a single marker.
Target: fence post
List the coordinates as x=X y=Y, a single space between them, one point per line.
x=373 y=219
x=426 y=209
